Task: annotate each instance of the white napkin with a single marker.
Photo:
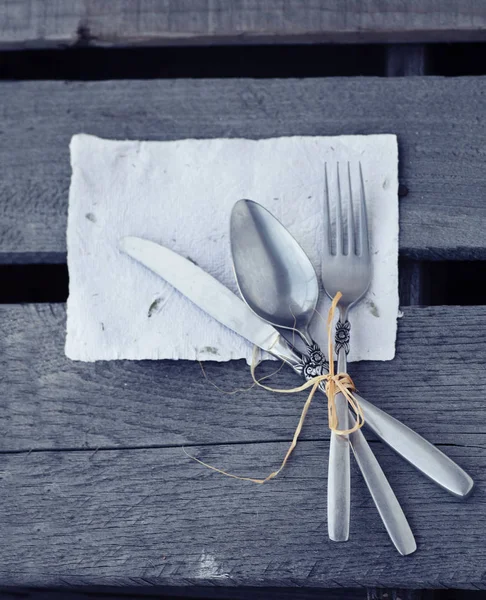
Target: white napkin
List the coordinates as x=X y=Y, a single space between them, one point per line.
x=180 y=194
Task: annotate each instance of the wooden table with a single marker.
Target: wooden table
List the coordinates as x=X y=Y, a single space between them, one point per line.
x=96 y=491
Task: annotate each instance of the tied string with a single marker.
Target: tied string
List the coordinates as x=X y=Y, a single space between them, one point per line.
x=334 y=383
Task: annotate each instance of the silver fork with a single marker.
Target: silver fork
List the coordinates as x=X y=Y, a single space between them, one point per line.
x=347 y=269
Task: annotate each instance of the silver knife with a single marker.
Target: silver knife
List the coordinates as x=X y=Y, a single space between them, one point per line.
x=219 y=302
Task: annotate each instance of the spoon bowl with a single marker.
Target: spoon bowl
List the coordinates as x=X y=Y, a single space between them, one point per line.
x=274 y=275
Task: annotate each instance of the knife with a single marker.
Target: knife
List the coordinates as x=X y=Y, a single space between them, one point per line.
x=220 y=303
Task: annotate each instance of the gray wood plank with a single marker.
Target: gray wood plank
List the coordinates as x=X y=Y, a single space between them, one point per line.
x=440 y=124
x=39 y=23
x=50 y=402
x=189 y=592
x=154 y=517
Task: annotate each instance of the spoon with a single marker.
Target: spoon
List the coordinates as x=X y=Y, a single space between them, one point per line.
x=278 y=282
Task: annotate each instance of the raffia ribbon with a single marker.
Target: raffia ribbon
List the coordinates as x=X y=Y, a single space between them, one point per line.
x=334 y=383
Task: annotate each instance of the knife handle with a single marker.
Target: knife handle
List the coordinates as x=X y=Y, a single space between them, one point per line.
x=339 y=477
x=417 y=450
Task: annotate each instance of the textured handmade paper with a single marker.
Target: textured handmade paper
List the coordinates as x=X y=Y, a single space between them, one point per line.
x=180 y=194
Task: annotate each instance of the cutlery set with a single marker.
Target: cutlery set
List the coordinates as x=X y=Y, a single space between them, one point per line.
x=280 y=291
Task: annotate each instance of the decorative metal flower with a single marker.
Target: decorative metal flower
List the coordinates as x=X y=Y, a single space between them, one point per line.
x=316 y=355
x=314 y=364
x=342 y=336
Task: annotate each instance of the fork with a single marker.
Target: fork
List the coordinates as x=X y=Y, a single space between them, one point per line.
x=347 y=269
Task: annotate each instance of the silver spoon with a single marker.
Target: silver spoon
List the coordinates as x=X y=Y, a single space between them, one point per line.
x=278 y=282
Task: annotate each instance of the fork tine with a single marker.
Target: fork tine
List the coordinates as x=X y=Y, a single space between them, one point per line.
x=339 y=217
x=364 y=242
x=350 y=215
x=327 y=214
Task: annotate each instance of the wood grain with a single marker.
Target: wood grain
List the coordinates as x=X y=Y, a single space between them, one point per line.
x=439 y=122
x=196 y=593
x=50 y=402
x=154 y=517
x=41 y=24
x=97 y=490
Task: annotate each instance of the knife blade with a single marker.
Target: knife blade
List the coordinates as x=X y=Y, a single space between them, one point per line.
x=203 y=290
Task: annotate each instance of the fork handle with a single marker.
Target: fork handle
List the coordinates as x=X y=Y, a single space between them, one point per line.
x=339 y=477
x=417 y=450
x=339 y=471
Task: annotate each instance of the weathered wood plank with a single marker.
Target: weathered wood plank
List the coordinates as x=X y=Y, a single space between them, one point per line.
x=154 y=517
x=40 y=23
x=190 y=593
x=50 y=402
x=440 y=124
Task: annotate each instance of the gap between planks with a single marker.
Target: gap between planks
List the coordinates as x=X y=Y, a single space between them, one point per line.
x=404 y=60
x=95 y=450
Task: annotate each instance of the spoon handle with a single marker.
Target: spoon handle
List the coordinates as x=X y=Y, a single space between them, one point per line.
x=386 y=502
